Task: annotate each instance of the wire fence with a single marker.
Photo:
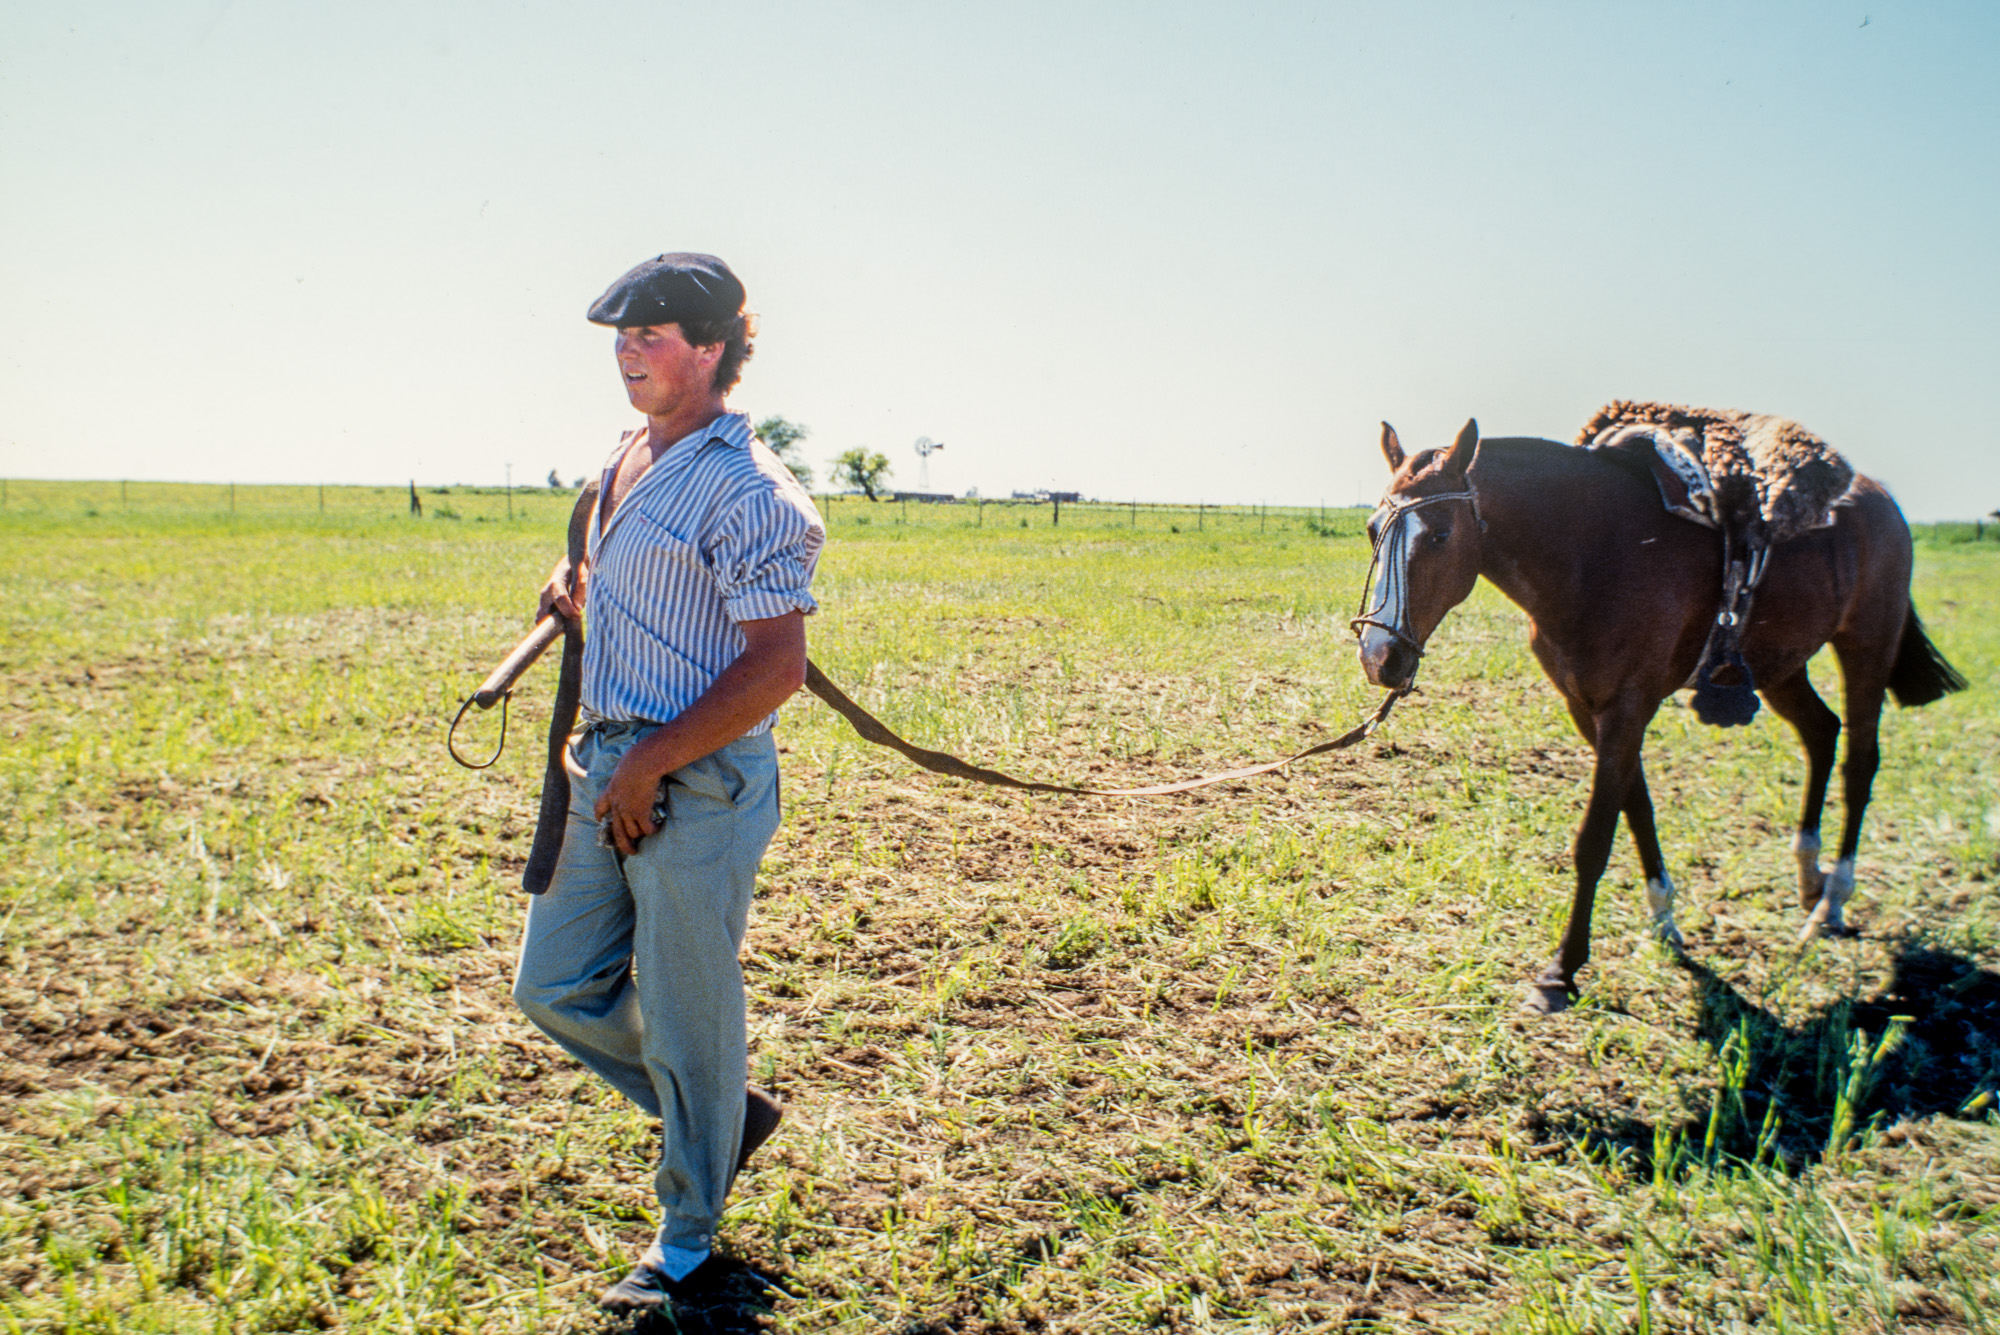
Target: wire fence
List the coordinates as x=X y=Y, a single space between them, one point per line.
x=24 y=497
x=34 y=496
x=1095 y=515
x=28 y=497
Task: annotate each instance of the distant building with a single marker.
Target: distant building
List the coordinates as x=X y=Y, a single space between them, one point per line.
x=1043 y=495
x=925 y=497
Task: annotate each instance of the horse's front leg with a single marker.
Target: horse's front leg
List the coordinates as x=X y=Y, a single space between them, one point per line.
x=1620 y=733
x=1639 y=819
x=1659 y=885
x=1864 y=755
x=1818 y=727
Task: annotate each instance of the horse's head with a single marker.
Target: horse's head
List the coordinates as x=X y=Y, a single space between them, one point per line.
x=1427 y=554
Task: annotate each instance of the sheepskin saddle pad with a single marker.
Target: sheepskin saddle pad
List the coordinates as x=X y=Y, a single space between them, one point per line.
x=1766 y=479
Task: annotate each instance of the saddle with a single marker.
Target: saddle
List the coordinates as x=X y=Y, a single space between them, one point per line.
x=1760 y=480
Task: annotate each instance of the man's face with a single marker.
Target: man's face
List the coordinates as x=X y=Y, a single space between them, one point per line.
x=663 y=372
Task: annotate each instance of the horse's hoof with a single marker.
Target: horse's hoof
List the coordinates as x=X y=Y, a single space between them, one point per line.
x=1825 y=920
x=1546 y=999
x=1818 y=925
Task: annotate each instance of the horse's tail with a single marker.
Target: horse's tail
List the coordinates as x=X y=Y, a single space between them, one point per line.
x=1921 y=674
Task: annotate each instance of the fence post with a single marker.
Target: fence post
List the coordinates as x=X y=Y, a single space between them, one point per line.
x=982 y=513
x=122 y=500
x=1262 y=510
x=1057 y=502
x=322 y=498
x=1200 y=515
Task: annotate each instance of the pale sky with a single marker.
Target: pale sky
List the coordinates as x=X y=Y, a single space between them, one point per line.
x=1159 y=251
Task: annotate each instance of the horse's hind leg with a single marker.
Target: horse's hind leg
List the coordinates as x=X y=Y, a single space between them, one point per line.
x=1818 y=727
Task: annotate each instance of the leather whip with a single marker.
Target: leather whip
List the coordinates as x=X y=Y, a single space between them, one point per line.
x=499 y=687
x=554 y=815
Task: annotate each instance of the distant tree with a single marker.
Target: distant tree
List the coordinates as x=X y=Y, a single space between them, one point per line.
x=860 y=467
x=784 y=438
x=555 y=480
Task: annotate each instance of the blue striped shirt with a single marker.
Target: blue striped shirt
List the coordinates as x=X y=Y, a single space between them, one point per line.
x=715 y=531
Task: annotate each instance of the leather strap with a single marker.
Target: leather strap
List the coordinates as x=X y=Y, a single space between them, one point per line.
x=554 y=816
x=874 y=730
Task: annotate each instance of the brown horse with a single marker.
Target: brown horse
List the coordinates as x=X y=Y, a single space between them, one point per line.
x=1620 y=596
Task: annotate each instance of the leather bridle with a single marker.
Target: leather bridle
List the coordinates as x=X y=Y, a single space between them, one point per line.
x=1393 y=515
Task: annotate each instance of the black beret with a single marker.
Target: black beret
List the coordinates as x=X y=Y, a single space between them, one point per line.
x=668 y=289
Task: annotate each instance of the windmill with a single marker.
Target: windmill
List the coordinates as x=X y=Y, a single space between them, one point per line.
x=926 y=447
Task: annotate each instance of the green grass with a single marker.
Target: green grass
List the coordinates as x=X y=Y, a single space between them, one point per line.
x=1245 y=1060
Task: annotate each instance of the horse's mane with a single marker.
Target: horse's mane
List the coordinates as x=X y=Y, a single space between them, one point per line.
x=1556 y=455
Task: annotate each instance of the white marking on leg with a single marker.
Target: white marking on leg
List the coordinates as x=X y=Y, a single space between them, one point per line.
x=1839 y=889
x=1660 y=903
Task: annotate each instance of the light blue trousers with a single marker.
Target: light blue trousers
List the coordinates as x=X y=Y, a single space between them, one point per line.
x=631 y=963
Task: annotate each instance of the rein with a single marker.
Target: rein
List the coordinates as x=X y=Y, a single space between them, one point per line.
x=1396 y=582
x=872 y=729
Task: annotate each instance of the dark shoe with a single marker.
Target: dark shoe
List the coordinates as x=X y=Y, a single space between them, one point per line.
x=761 y=1115
x=649 y=1290
x=644 y=1290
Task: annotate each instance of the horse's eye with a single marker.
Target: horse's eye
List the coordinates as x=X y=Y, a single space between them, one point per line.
x=1441 y=537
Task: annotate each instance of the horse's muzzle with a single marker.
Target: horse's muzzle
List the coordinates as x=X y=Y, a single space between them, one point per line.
x=1390 y=661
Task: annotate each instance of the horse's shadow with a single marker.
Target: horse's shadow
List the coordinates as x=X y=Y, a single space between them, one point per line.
x=1928 y=1045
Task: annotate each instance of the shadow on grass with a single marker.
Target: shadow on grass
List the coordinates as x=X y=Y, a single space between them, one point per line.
x=1927 y=1046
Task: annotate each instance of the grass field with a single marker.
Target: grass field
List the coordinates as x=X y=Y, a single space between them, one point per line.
x=1245 y=1060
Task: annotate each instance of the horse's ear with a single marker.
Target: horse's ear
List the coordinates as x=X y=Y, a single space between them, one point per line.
x=1392 y=448
x=1463 y=450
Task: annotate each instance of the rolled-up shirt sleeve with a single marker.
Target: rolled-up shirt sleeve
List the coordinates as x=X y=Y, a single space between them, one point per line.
x=764 y=556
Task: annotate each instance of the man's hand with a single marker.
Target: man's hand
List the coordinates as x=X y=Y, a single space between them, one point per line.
x=627 y=801
x=563 y=592
x=771 y=667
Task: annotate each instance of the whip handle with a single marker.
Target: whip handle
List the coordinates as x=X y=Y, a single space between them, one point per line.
x=546 y=632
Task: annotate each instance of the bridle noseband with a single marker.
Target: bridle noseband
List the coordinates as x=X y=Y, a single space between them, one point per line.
x=1396 y=587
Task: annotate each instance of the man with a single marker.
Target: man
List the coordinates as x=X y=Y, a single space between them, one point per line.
x=700 y=563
